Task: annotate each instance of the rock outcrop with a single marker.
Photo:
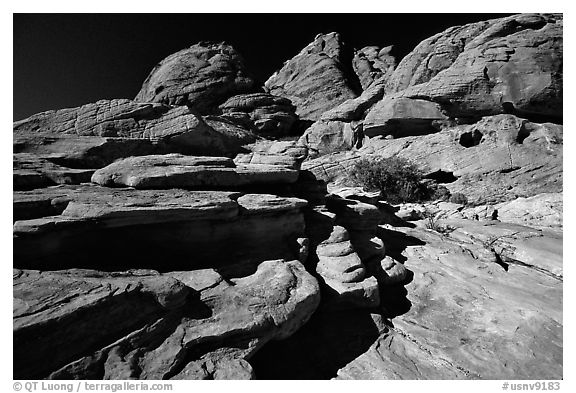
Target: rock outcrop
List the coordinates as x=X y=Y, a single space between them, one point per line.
x=317 y=79
x=143 y=225
x=266 y=114
x=146 y=325
x=30 y=171
x=372 y=63
x=344 y=276
x=94 y=135
x=507 y=65
x=503 y=312
x=190 y=234
x=497 y=159
x=201 y=77
x=510 y=65
x=189 y=172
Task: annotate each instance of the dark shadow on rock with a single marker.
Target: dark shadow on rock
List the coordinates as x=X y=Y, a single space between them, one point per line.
x=396 y=242
x=329 y=341
x=394 y=298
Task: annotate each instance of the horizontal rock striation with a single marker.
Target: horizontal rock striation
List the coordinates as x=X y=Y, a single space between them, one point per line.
x=189 y=172
x=94 y=135
x=142 y=226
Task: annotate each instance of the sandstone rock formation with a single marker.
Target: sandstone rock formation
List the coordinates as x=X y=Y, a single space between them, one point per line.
x=146 y=224
x=342 y=272
x=267 y=114
x=30 y=171
x=497 y=159
x=318 y=78
x=94 y=135
x=201 y=77
x=189 y=234
x=498 y=308
x=288 y=154
x=179 y=171
x=146 y=325
x=507 y=65
x=372 y=63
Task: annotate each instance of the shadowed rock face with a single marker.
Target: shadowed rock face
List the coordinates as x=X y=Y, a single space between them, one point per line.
x=201 y=77
x=318 y=78
x=142 y=226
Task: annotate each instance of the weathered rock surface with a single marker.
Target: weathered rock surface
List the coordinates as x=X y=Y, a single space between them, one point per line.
x=145 y=325
x=504 y=313
x=399 y=117
x=205 y=241
x=542 y=211
x=201 y=77
x=143 y=226
x=96 y=134
x=318 y=78
x=189 y=172
x=507 y=65
x=372 y=63
x=328 y=136
x=288 y=154
x=342 y=127
x=266 y=114
x=30 y=171
x=500 y=158
x=346 y=282
x=361 y=220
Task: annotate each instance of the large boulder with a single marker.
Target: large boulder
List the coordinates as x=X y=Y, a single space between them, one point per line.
x=328 y=136
x=399 y=117
x=317 y=79
x=201 y=77
x=507 y=65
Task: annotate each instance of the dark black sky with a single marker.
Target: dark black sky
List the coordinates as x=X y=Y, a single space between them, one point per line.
x=66 y=60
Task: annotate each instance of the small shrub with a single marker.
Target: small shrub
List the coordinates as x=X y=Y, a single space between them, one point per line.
x=432 y=224
x=459 y=198
x=397 y=179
